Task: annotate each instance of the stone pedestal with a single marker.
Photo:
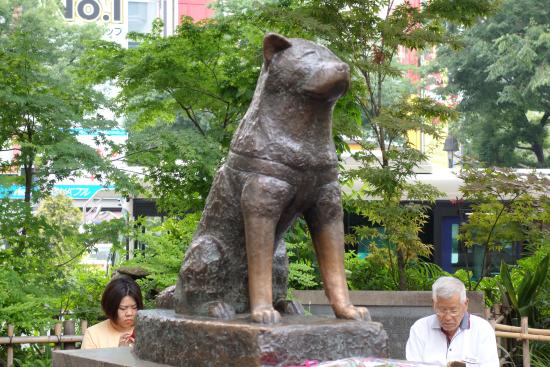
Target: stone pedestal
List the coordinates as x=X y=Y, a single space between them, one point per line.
x=164 y=337
x=107 y=357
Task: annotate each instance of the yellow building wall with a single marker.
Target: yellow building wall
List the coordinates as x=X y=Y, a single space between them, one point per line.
x=433 y=148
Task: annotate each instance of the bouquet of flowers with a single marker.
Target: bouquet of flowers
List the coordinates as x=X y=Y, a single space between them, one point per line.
x=365 y=362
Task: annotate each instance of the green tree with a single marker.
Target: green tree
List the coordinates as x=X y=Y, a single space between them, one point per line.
x=41 y=280
x=507 y=207
x=58 y=212
x=43 y=262
x=183 y=97
x=41 y=100
x=164 y=246
x=503 y=78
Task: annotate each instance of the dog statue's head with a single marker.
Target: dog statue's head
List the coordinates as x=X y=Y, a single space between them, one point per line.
x=303 y=67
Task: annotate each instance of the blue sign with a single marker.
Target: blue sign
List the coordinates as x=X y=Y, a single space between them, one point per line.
x=91 y=132
x=81 y=192
x=78 y=191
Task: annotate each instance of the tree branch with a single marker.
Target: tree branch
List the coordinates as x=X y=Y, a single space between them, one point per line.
x=545 y=118
x=370 y=90
x=133 y=153
x=190 y=114
x=388 y=12
x=505 y=206
x=390 y=141
x=206 y=93
x=368 y=151
x=524 y=148
x=9 y=150
x=78 y=255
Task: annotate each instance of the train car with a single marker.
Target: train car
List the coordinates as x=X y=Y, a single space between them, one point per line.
x=442 y=229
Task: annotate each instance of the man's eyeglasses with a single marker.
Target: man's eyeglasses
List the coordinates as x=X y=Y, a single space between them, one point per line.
x=452 y=313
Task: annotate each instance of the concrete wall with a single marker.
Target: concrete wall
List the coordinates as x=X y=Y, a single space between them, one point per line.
x=397 y=311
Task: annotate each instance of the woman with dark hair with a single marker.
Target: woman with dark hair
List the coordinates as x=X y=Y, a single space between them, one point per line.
x=120 y=302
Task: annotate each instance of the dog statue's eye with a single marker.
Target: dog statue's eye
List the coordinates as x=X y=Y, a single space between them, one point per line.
x=309 y=53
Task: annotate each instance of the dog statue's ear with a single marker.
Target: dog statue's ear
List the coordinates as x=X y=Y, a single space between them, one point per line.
x=274 y=43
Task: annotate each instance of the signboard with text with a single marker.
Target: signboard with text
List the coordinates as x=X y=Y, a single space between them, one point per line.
x=77 y=192
x=112 y=13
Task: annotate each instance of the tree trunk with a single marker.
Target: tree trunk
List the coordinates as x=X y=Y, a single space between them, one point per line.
x=539 y=153
x=401 y=271
x=538 y=145
x=487 y=262
x=28 y=182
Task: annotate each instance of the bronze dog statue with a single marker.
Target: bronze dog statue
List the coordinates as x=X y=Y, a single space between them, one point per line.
x=282 y=164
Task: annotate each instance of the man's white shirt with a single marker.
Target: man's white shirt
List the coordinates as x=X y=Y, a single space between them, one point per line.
x=474 y=343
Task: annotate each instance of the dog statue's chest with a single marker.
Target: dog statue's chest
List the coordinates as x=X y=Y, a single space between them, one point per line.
x=301 y=179
x=311 y=150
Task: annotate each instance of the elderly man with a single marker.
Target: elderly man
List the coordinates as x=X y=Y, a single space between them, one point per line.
x=452 y=334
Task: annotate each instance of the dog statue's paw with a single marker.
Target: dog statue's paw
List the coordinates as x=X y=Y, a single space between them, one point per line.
x=289 y=307
x=220 y=310
x=351 y=312
x=265 y=315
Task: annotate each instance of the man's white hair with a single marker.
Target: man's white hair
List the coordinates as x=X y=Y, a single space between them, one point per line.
x=447 y=287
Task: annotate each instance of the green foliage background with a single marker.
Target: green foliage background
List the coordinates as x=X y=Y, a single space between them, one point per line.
x=502 y=76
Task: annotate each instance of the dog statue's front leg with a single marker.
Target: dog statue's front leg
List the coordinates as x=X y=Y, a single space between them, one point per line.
x=260 y=235
x=325 y=222
x=262 y=201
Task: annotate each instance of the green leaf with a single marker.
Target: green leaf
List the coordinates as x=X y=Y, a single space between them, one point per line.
x=508 y=286
x=537 y=280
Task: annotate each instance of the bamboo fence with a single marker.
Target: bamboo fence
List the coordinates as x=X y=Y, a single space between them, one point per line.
x=523 y=333
x=63 y=337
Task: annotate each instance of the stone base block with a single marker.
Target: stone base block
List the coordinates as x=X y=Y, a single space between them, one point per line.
x=184 y=341
x=107 y=357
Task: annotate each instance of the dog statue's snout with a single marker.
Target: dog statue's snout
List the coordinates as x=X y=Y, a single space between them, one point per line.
x=342 y=67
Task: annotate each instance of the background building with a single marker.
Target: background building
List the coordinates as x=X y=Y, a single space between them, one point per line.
x=120 y=17
x=196 y=9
